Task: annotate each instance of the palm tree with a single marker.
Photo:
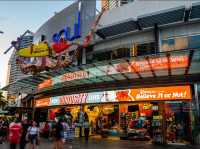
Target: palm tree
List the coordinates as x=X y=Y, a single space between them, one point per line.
x=3 y=102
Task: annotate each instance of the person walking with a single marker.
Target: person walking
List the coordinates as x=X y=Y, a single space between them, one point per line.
x=46 y=130
x=33 y=135
x=14 y=133
x=59 y=135
x=86 y=129
x=23 y=140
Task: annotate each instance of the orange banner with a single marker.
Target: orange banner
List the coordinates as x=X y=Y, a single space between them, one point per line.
x=159 y=63
x=45 y=84
x=42 y=102
x=161 y=93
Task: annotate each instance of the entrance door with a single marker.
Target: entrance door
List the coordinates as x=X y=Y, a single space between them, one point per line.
x=178 y=122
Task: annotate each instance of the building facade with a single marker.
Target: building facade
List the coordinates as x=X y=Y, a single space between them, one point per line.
x=139 y=80
x=14 y=71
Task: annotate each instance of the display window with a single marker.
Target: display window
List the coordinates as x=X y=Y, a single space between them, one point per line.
x=104 y=119
x=178 y=122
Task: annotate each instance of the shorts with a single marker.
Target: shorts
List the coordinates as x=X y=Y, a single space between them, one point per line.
x=33 y=139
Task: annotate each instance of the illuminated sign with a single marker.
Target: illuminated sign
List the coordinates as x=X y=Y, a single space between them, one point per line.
x=74 y=76
x=157 y=93
x=45 y=84
x=144 y=65
x=67 y=30
x=73 y=99
x=129 y=95
x=42 y=102
x=159 y=63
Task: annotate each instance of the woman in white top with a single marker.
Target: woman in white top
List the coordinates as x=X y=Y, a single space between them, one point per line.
x=33 y=135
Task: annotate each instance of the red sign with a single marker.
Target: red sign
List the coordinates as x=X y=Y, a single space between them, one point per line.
x=73 y=99
x=74 y=75
x=160 y=63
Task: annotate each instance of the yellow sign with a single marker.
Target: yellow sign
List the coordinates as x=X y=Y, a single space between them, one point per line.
x=38 y=50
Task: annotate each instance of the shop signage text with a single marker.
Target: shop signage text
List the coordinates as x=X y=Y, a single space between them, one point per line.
x=143 y=94
x=161 y=93
x=157 y=63
x=66 y=32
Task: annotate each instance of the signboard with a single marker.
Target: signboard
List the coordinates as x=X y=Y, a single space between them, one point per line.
x=157 y=63
x=45 y=84
x=74 y=76
x=171 y=93
x=160 y=63
x=36 y=50
x=157 y=93
x=42 y=102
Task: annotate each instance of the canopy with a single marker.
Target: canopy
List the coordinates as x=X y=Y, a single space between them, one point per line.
x=178 y=66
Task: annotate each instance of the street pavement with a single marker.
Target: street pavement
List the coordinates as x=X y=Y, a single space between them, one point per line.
x=108 y=144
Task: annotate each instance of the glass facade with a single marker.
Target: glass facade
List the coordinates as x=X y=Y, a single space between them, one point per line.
x=180 y=43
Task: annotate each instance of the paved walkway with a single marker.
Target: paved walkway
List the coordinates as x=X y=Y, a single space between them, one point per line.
x=108 y=144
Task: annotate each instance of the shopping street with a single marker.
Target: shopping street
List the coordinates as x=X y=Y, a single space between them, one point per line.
x=109 y=144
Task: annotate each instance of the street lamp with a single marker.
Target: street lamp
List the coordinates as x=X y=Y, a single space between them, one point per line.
x=1 y=32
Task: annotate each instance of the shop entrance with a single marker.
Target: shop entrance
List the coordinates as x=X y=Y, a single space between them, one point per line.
x=178 y=122
x=156 y=122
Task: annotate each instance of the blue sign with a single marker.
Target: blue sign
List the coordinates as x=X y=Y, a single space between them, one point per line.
x=54 y=101
x=67 y=31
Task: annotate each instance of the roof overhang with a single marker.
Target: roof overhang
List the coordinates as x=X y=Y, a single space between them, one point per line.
x=172 y=64
x=160 y=18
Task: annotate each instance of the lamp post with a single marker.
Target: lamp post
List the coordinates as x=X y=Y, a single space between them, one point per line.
x=1 y=32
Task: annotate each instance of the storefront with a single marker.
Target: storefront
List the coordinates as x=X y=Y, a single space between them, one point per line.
x=156 y=115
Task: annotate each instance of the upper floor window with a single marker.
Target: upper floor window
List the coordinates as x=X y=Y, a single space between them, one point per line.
x=180 y=43
x=145 y=49
x=120 y=53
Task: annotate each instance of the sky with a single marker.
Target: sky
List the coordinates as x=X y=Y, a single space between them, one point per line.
x=18 y=16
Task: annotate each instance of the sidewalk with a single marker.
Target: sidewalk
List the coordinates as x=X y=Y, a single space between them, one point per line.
x=108 y=144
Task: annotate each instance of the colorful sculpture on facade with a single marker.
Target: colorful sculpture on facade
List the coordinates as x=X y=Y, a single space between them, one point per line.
x=43 y=56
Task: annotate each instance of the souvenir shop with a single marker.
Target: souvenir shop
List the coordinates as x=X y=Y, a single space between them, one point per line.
x=156 y=115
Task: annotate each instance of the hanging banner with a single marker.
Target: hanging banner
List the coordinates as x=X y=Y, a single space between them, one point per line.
x=38 y=50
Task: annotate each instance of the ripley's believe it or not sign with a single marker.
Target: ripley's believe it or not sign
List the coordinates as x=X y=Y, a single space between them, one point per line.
x=135 y=66
x=129 y=95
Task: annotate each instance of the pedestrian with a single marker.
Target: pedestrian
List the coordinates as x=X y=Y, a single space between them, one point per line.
x=5 y=130
x=86 y=129
x=14 y=133
x=33 y=135
x=1 y=131
x=23 y=140
x=58 y=135
x=46 y=130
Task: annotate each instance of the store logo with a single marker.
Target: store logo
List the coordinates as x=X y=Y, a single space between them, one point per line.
x=66 y=32
x=54 y=101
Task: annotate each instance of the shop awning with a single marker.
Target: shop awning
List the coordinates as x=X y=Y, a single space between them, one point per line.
x=195 y=12
x=136 y=70
x=174 y=15
x=115 y=29
x=161 y=18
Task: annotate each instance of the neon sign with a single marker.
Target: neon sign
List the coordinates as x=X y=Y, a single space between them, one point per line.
x=67 y=30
